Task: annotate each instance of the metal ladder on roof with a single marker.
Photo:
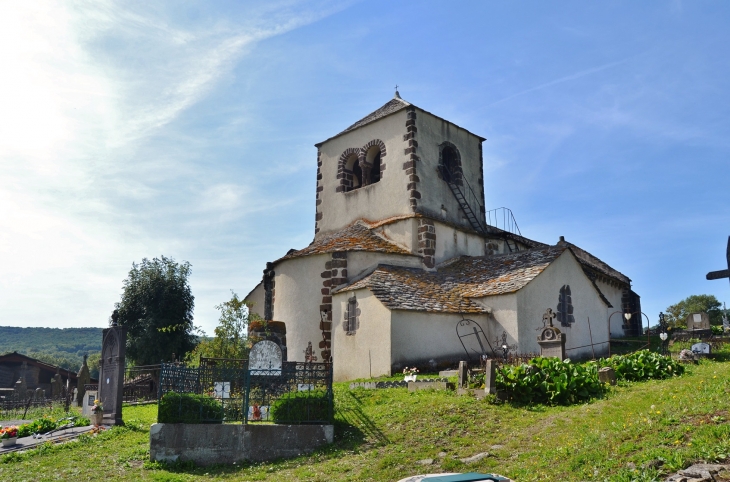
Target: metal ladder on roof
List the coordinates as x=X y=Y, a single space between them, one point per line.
x=466 y=198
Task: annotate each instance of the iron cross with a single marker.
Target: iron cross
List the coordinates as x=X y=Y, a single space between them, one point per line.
x=725 y=273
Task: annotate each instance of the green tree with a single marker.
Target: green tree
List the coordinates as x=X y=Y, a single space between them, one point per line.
x=94 y=364
x=230 y=340
x=157 y=310
x=677 y=313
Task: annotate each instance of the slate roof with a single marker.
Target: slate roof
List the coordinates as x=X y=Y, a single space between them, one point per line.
x=448 y=289
x=390 y=107
x=356 y=237
x=588 y=260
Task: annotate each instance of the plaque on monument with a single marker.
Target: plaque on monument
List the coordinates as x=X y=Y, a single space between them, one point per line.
x=551 y=339
x=222 y=389
x=111 y=373
x=701 y=348
x=266 y=358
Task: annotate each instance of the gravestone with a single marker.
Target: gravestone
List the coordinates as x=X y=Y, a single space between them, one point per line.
x=607 y=375
x=21 y=386
x=699 y=324
x=57 y=385
x=111 y=373
x=265 y=355
x=701 y=348
x=463 y=377
x=551 y=340
x=83 y=378
x=490 y=377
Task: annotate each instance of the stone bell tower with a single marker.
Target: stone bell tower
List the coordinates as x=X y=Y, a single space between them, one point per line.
x=399 y=161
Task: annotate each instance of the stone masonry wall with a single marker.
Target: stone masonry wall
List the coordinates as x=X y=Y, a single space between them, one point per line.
x=427 y=241
x=410 y=165
x=334 y=274
x=320 y=188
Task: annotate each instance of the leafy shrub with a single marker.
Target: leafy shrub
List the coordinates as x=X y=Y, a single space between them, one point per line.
x=42 y=425
x=549 y=381
x=717 y=330
x=643 y=365
x=302 y=407
x=82 y=422
x=189 y=408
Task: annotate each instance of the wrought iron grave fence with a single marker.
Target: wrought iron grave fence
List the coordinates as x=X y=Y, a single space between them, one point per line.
x=298 y=393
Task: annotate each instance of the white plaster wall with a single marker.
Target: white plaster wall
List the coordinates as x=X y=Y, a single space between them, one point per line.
x=365 y=354
x=543 y=292
x=256 y=297
x=432 y=132
x=613 y=294
x=298 y=285
x=360 y=263
x=502 y=319
x=384 y=199
x=403 y=232
x=418 y=336
x=451 y=242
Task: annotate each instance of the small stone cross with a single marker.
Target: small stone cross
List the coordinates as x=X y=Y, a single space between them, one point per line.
x=547 y=318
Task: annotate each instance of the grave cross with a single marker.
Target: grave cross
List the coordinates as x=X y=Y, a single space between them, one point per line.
x=547 y=318
x=725 y=273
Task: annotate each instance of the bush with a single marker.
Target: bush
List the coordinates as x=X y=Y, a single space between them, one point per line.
x=189 y=408
x=717 y=330
x=82 y=422
x=302 y=407
x=642 y=365
x=549 y=381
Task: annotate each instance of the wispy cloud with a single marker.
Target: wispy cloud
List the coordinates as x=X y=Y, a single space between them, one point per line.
x=89 y=91
x=561 y=80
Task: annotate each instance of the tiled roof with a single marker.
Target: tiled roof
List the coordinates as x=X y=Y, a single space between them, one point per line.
x=449 y=288
x=393 y=105
x=356 y=237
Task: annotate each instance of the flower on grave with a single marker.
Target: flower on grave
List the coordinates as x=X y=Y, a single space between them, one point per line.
x=410 y=371
x=97 y=407
x=9 y=432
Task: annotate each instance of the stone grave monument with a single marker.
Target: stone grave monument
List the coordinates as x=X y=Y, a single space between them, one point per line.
x=701 y=349
x=551 y=340
x=490 y=377
x=463 y=376
x=264 y=359
x=699 y=324
x=111 y=373
x=83 y=379
x=57 y=385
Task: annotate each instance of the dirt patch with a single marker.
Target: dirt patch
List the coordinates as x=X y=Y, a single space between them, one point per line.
x=716 y=417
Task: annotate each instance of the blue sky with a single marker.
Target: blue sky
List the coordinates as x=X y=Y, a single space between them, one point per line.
x=187 y=129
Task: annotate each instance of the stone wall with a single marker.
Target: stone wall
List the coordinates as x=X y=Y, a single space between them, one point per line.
x=208 y=444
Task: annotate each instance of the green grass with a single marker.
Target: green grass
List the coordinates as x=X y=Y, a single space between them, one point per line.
x=380 y=434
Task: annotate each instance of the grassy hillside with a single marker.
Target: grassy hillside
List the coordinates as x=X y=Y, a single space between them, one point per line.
x=636 y=433
x=60 y=346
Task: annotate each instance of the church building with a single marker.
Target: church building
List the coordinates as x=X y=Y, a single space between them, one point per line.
x=405 y=251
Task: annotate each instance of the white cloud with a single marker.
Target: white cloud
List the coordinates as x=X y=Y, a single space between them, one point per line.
x=88 y=94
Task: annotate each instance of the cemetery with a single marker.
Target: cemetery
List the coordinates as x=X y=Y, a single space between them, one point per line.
x=490 y=413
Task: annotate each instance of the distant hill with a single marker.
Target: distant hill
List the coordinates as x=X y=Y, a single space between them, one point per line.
x=59 y=346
